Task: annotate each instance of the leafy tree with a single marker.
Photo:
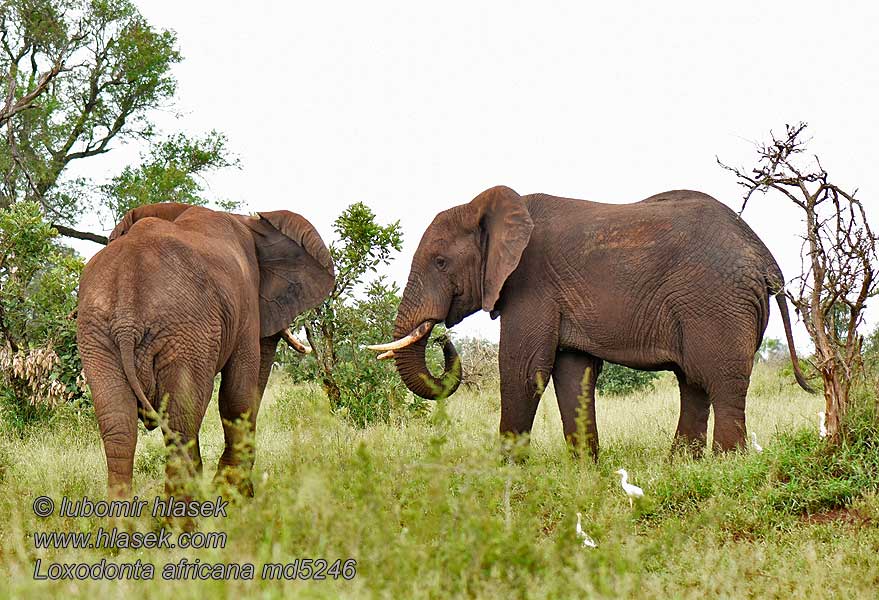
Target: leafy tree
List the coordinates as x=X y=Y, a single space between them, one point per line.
x=81 y=75
x=169 y=173
x=356 y=313
x=39 y=365
x=617 y=380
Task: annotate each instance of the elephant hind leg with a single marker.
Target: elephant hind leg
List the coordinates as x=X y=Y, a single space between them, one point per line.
x=244 y=379
x=574 y=377
x=692 y=431
x=728 y=399
x=185 y=392
x=116 y=411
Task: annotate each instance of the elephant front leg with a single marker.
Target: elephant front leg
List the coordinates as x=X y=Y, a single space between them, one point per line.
x=527 y=353
x=241 y=388
x=575 y=376
x=692 y=430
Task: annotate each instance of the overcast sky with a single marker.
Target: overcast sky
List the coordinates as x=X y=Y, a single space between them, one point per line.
x=416 y=107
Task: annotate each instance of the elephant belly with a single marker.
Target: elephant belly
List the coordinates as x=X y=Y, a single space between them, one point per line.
x=635 y=347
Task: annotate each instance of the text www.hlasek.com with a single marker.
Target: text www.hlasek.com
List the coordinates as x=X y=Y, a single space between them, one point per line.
x=113 y=538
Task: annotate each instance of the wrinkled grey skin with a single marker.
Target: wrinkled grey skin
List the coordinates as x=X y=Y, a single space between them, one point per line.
x=675 y=282
x=180 y=294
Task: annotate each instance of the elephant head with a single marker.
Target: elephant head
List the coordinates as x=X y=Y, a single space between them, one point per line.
x=460 y=266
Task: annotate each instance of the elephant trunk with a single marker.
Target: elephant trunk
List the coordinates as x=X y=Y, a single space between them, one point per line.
x=416 y=317
x=412 y=367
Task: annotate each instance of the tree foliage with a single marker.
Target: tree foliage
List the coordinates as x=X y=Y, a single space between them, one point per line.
x=81 y=75
x=617 y=380
x=171 y=172
x=357 y=312
x=39 y=364
x=110 y=69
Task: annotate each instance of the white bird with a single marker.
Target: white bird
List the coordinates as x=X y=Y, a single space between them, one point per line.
x=822 y=424
x=632 y=491
x=757 y=447
x=588 y=542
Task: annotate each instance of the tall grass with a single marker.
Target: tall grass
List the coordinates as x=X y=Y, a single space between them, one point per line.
x=430 y=508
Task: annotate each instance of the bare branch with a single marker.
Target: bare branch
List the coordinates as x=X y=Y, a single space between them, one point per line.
x=80 y=235
x=837 y=256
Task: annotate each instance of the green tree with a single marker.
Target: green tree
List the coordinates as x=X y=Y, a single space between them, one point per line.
x=39 y=365
x=357 y=312
x=170 y=172
x=81 y=75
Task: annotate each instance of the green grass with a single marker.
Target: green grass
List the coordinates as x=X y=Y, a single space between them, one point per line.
x=430 y=509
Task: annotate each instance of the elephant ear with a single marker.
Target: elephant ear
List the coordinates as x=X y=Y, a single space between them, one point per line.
x=167 y=211
x=295 y=268
x=505 y=226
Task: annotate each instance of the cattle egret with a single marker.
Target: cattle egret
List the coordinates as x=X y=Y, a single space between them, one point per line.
x=588 y=542
x=822 y=425
x=632 y=491
x=757 y=447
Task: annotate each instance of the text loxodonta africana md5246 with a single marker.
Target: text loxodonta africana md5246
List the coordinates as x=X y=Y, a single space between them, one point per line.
x=675 y=282
x=180 y=294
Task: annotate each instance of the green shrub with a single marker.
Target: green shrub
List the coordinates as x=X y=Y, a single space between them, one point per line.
x=617 y=380
x=39 y=364
x=356 y=313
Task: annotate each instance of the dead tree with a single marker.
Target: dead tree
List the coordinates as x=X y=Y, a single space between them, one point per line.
x=838 y=260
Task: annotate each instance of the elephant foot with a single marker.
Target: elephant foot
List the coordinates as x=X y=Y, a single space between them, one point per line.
x=236 y=477
x=693 y=448
x=515 y=447
x=578 y=452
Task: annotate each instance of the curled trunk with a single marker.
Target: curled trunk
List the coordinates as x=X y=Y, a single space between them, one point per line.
x=411 y=364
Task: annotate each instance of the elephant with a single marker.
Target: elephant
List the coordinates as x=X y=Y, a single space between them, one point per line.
x=180 y=294
x=677 y=282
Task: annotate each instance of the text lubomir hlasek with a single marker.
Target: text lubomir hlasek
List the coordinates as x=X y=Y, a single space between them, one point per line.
x=170 y=507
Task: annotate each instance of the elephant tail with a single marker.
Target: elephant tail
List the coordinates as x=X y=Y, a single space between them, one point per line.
x=785 y=317
x=126 y=350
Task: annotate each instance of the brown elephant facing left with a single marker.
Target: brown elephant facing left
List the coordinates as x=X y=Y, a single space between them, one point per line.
x=180 y=294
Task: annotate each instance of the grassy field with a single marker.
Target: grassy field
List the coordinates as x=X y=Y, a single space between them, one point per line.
x=428 y=508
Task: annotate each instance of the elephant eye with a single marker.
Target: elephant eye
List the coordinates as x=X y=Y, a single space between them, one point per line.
x=441 y=263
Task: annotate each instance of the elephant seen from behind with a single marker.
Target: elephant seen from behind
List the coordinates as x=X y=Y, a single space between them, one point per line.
x=180 y=294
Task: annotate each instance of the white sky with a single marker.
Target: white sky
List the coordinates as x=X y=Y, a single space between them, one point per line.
x=416 y=107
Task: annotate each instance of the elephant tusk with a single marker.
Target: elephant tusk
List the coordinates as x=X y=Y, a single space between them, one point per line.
x=416 y=334
x=386 y=355
x=294 y=343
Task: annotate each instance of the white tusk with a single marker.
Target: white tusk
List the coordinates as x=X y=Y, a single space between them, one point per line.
x=386 y=355
x=294 y=343
x=417 y=333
